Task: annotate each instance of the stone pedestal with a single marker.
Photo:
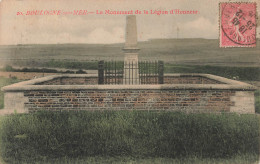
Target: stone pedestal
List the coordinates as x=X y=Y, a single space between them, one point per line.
x=131 y=70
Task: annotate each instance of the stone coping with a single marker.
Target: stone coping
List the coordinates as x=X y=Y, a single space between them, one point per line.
x=228 y=84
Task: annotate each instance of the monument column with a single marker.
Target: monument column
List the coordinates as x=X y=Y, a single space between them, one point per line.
x=131 y=70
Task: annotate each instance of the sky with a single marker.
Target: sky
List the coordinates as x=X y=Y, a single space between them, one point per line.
x=103 y=28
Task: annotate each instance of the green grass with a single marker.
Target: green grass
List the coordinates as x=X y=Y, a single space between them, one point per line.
x=1 y=123
x=193 y=51
x=3 y=82
x=9 y=68
x=90 y=65
x=129 y=135
x=246 y=159
x=240 y=73
x=257 y=101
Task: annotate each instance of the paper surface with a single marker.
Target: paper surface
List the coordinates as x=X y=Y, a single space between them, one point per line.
x=185 y=33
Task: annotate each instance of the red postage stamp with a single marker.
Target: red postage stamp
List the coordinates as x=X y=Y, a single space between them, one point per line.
x=237 y=24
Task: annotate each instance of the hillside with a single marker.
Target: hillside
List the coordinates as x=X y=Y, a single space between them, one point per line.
x=179 y=51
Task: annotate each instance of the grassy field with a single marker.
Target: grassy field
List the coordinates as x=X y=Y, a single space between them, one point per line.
x=240 y=73
x=129 y=137
x=177 y=51
x=250 y=159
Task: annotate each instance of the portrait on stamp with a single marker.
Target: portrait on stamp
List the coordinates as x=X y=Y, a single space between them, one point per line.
x=237 y=24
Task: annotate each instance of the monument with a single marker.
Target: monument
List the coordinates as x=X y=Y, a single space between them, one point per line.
x=131 y=71
x=139 y=86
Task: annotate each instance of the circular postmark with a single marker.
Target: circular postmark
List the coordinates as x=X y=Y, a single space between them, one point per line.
x=238 y=22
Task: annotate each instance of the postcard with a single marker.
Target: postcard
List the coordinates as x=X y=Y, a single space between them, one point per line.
x=188 y=56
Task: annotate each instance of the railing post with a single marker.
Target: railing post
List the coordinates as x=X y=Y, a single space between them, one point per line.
x=160 y=71
x=101 y=72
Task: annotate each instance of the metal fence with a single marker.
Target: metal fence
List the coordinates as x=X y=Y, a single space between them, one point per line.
x=131 y=73
x=118 y=72
x=151 y=72
x=110 y=72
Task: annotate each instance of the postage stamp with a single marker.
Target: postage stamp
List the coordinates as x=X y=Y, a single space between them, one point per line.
x=237 y=24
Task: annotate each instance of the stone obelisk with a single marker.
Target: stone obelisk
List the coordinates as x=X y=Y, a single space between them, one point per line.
x=131 y=71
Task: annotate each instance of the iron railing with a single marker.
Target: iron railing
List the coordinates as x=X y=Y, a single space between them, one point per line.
x=118 y=72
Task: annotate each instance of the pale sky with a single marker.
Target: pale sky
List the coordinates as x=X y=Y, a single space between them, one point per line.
x=94 y=28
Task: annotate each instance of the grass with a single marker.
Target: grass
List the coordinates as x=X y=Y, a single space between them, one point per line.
x=193 y=51
x=3 y=82
x=90 y=65
x=240 y=73
x=257 y=101
x=126 y=159
x=134 y=136
x=9 y=68
x=247 y=159
x=1 y=123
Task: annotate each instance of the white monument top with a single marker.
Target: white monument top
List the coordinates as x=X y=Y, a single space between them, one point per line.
x=131 y=33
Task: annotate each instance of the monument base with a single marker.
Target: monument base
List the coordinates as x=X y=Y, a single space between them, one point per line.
x=131 y=70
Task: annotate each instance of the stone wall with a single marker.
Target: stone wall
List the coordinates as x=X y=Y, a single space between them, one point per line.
x=188 y=100
x=68 y=92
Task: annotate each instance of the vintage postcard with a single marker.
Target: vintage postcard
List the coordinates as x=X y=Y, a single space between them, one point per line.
x=129 y=81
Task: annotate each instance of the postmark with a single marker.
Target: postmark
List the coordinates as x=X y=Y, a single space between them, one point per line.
x=237 y=24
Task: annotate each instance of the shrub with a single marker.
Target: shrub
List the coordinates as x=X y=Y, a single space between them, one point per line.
x=68 y=71
x=8 y=68
x=80 y=72
x=42 y=135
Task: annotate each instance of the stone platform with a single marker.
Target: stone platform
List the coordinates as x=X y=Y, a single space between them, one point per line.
x=181 y=92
